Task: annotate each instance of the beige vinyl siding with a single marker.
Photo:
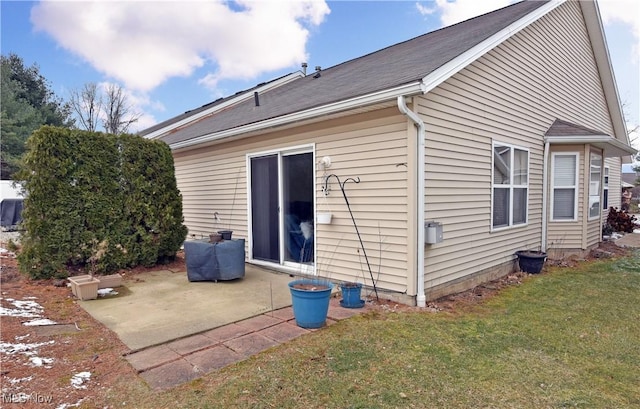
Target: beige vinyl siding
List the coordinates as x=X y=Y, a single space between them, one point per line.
x=371 y=146
x=511 y=95
x=615 y=184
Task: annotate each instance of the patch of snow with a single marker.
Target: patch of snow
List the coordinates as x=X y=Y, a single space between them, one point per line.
x=37 y=361
x=29 y=350
x=26 y=308
x=103 y=292
x=14 y=381
x=26 y=349
x=21 y=337
x=39 y=322
x=78 y=380
x=636 y=231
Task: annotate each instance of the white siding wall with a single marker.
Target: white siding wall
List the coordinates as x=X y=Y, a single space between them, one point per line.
x=513 y=94
x=371 y=146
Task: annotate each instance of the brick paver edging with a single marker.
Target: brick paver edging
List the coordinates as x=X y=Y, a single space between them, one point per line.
x=171 y=364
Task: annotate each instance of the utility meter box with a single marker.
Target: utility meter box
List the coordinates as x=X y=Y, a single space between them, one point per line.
x=433 y=232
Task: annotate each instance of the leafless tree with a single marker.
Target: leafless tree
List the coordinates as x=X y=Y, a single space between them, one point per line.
x=86 y=104
x=118 y=113
x=94 y=103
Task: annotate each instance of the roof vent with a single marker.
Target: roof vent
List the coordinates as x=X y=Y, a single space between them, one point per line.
x=304 y=68
x=256 y=98
x=318 y=69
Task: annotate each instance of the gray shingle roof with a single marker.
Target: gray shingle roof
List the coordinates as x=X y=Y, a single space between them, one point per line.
x=394 y=66
x=563 y=128
x=204 y=107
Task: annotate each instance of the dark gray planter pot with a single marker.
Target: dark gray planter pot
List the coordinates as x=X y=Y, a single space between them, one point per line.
x=531 y=261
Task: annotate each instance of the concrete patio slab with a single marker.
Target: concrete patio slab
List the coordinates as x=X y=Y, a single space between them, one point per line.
x=163 y=306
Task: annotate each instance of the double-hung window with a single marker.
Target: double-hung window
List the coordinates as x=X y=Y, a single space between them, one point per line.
x=510 y=186
x=564 y=204
x=595 y=183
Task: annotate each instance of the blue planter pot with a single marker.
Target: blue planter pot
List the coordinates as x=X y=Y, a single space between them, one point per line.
x=351 y=295
x=310 y=299
x=531 y=261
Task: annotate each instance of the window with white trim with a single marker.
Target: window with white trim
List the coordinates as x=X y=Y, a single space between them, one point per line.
x=510 y=186
x=595 y=183
x=564 y=179
x=605 y=187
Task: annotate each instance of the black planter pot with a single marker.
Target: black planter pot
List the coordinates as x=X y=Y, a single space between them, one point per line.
x=226 y=234
x=531 y=261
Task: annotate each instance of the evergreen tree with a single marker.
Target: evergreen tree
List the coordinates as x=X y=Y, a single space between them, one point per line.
x=27 y=103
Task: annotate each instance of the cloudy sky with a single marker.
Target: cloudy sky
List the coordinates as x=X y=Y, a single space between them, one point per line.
x=175 y=56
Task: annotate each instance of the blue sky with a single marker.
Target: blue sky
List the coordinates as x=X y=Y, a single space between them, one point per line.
x=175 y=56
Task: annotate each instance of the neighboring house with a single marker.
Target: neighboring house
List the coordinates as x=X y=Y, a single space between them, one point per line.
x=505 y=130
x=630 y=179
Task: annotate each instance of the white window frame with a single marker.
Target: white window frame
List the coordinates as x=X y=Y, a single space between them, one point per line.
x=575 y=187
x=283 y=265
x=600 y=183
x=510 y=186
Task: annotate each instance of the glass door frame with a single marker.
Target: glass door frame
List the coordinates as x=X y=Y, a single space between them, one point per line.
x=287 y=266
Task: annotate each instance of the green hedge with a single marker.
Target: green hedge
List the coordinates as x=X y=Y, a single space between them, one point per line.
x=99 y=201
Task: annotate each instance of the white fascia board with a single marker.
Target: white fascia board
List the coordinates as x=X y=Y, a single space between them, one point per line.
x=611 y=146
x=413 y=88
x=224 y=105
x=446 y=71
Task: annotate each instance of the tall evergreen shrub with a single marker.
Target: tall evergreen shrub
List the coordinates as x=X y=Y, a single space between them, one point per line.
x=97 y=200
x=152 y=202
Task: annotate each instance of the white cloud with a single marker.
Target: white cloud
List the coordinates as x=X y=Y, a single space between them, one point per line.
x=626 y=12
x=142 y=44
x=425 y=11
x=453 y=12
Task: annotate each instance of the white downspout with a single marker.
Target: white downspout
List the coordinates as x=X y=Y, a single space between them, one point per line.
x=421 y=299
x=545 y=188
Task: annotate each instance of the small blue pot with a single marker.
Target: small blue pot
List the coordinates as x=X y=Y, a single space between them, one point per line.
x=351 y=295
x=310 y=306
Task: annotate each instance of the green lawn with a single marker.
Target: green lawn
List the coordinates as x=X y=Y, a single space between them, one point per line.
x=567 y=338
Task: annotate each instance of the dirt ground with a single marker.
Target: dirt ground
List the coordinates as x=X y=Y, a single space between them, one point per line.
x=76 y=362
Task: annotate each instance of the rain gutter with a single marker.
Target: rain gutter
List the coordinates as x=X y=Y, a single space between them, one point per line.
x=332 y=108
x=421 y=299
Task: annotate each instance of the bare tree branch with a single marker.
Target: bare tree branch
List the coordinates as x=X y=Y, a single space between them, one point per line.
x=86 y=103
x=94 y=103
x=118 y=113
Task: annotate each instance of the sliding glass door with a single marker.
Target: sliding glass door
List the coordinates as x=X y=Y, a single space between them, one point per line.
x=264 y=208
x=282 y=207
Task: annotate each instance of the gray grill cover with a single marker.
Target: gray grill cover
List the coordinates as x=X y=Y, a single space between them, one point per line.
x=214 y=261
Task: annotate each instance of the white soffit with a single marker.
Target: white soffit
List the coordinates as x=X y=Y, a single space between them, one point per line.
x=612 y=147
